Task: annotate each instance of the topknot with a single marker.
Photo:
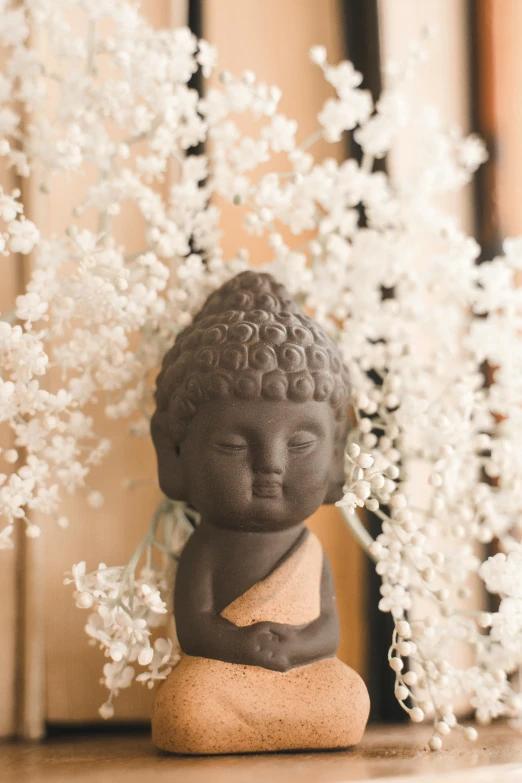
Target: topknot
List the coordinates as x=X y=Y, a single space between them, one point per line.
x=250 y=340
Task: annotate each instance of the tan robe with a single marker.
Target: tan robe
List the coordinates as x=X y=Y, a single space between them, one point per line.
x=209 y=706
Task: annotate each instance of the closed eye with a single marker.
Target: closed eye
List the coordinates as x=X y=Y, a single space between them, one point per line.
x=232 y=446
x=301 y=446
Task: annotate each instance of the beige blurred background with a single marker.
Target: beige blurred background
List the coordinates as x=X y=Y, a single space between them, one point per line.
x=48 y=673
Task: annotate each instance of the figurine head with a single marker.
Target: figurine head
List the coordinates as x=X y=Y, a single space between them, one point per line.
x=252 y=410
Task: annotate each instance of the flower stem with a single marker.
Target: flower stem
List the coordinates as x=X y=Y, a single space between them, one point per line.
x=367 y=163
x=359 y=532
x=147 y=541
x=310 y=141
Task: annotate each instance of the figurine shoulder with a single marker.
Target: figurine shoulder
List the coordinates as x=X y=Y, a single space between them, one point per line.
x=197 y=544
x=201 y=549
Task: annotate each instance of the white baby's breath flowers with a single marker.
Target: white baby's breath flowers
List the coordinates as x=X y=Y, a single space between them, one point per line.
x=401 y=295
x=126 y=607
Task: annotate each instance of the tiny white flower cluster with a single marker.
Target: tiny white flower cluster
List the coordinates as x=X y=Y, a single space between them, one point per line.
x=128 y=608
x=20 y=235
x=121 y=625
x=435 y=451
x=502 y=575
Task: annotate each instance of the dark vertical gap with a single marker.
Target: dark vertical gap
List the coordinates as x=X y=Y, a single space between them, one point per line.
x=486 y=220
x=361 y=30
x=361 y=27
x=195 y=23
x=487 y=227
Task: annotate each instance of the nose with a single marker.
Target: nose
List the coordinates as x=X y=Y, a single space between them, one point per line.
x=268 y=458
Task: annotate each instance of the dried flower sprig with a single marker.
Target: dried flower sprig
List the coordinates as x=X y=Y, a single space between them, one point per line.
x=128 y=605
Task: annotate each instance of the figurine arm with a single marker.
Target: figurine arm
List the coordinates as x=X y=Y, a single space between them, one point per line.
x=201 y=630
x=320 y=638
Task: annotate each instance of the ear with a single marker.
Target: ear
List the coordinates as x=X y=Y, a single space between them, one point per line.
x=337 y=480
x=170 y=469
x=337 y=475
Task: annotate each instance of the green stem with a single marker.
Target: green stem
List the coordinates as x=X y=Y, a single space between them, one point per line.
x=147 y=541
x=367 y=163
x=130 y=140
x=311 y=140
x=164 y=549
x=9 y=317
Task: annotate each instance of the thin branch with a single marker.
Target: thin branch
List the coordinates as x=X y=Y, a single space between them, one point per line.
x=91 y=47
x=310 y=141
x=359 y=532
x=367 y=163
x=144 y=134
x=9 y=317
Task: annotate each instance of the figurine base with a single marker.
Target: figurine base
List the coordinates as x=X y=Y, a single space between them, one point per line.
x=211 y=707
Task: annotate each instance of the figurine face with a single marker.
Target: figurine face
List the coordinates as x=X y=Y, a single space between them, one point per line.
x=258 y=464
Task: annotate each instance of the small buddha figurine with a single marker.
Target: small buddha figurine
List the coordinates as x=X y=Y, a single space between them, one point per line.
x=249 y=429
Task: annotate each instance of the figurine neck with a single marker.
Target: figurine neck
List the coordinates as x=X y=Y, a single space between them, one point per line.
x=252 y=526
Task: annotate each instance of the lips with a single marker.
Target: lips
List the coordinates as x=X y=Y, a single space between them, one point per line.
x=267 y=489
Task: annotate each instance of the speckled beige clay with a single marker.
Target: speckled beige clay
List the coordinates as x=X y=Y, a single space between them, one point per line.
x=208 y=706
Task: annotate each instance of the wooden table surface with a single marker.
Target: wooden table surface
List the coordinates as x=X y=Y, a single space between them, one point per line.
x=390 y=753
